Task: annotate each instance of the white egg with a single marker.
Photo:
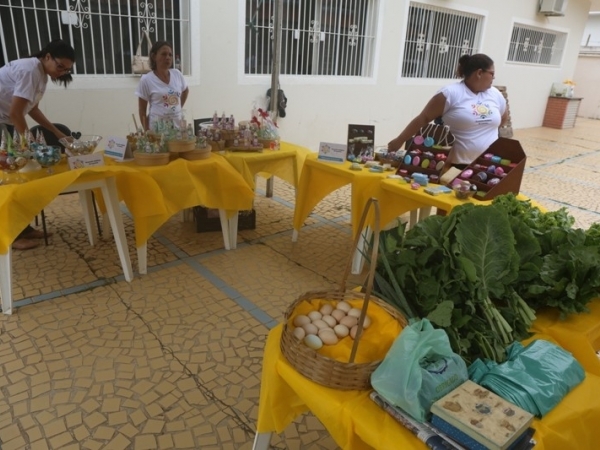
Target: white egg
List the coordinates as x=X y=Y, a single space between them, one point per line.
x=344 y=306
x=329 y=320
x=354 y=312
x=353 y=331
x=320 y=324
x=326 y=309
x=341 y=331
x=313 y=341
x=314 y=315
x=310 y=328
x=328 y=337
x=349 y=321
x=301 y=320
x=299 y=333
x=367 y=322
x=338 y=314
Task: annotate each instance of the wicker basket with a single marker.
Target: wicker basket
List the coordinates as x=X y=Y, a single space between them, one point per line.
x=151 y=159
x=269 y=143
x=180 y=146
x=322 y=369
x=198 y=153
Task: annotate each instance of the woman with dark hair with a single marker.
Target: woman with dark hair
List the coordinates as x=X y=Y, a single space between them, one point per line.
x=163 y=91
x=472 y=108
x=22 y=86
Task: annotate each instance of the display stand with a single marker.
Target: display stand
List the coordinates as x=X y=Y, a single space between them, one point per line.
x=561 y=112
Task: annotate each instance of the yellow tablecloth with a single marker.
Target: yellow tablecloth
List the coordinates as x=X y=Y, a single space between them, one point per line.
x=285 y=163
x=578 y=333
x=356 y=423
x=318 y=179
x=20 y=203
x=211 y=182
x=152 y=194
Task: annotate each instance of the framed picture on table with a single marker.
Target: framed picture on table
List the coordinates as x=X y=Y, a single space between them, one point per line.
x=361 y=142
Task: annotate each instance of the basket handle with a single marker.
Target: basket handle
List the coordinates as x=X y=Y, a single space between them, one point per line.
x=373 y=263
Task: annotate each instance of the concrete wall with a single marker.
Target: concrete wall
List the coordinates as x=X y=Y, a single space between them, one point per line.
x=319 y=109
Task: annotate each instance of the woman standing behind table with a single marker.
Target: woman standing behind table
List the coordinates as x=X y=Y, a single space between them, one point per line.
x=22 y=86
x=472 y=108
x=162 y=92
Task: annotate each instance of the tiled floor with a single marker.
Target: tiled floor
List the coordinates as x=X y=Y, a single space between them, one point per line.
x=173 y=359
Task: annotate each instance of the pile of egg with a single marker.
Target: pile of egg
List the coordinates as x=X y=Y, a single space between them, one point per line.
x=328 y=325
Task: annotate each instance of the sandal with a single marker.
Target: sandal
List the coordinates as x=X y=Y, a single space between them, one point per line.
x=24 y=244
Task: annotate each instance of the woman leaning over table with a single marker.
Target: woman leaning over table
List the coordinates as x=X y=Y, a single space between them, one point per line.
x=22 y=86
x=472 y=108
x=163 y=91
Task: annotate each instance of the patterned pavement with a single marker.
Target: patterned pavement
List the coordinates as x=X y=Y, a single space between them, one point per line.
x=173 y=359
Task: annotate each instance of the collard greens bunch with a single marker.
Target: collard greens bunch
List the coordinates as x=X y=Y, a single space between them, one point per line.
x=481 y=272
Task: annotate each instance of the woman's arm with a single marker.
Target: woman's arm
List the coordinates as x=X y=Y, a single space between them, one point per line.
x=17 y=113
x=142 y=111
x=184 y=96
x=433 y=109
x=36 y=114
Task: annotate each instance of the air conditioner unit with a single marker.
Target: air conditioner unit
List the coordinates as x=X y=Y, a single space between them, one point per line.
x=553 y=7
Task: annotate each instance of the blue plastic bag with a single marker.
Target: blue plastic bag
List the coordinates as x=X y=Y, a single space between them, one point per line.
x=419 y=369
x=535 y=378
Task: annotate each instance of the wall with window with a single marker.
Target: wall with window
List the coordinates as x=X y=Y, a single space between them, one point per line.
x=344 y=61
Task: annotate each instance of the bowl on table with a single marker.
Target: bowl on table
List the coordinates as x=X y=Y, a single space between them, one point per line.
x=81 y=146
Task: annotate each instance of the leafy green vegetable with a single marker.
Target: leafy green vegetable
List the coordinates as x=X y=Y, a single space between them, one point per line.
x=482 y=271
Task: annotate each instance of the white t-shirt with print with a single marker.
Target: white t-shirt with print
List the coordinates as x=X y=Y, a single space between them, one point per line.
x=23 y=78
x=164 y=99
x=473 y=119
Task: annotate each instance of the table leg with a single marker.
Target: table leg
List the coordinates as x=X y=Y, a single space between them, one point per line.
x=261 y=441
x=295 y=236
x=414 y=218
x=424 y=212
x=269 y=193
x=105 y=227
x=6 y=281
x=358 y=260
x=109 y=190
x=233 y=230
x=142 y=252
x=85 y=199
x=225 y=228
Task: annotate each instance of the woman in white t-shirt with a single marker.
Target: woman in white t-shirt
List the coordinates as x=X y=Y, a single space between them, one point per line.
x=22 y=86
x=23 y=83
x=163 y=91
x=472 y=108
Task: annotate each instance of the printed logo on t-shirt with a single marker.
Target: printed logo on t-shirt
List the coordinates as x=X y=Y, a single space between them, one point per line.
x=482 y=111
x=171 y=100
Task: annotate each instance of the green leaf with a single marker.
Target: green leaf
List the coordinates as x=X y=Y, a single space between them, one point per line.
x=486 y=239
x=442 y=314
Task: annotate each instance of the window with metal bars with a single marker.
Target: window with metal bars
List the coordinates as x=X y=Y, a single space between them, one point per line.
x=104 y=33
x=536 y=46
x=318 y=37
x=436 y=38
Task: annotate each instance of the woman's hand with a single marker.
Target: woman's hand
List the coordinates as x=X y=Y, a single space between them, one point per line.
x=395 y=144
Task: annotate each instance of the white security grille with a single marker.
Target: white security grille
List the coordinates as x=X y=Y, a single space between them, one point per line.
x=319 y=37
x=104 y=33
x=436 y=38
x=533 y=45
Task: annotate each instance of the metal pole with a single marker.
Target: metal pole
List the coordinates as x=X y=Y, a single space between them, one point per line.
x=278 y=19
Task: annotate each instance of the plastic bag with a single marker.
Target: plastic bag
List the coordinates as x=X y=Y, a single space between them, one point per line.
x=419 y=369
x=535 y=378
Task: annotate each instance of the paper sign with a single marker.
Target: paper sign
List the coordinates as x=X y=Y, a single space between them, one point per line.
x=118 y=148
x=330 y=152
x=89 y=160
